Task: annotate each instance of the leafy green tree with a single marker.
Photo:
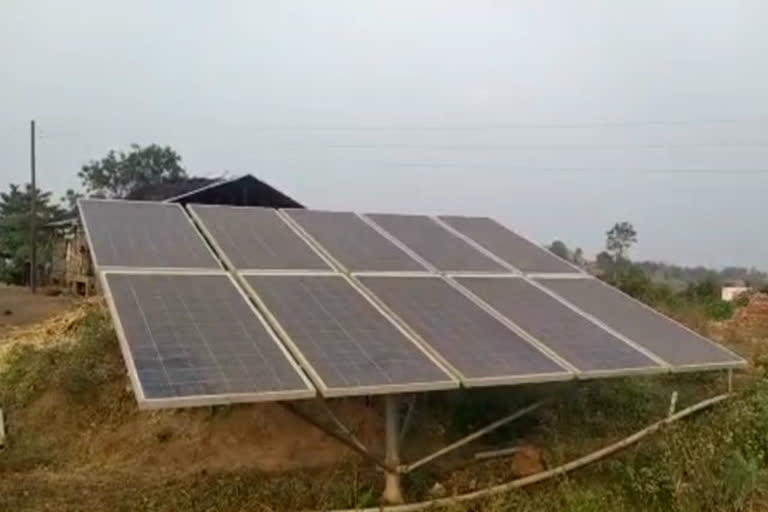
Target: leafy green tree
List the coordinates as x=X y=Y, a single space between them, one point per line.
x=15 y=229
x=117 y=174
x=619 y=239
x=558 y=248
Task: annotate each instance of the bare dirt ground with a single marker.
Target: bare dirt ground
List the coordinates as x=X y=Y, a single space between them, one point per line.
x=19 y=308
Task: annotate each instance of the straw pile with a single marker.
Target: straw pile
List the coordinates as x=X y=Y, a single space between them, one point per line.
x=57 y=330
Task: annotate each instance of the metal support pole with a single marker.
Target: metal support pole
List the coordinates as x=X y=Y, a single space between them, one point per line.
x=393 y=493
x=730 y=380
x=32 y=212
x=407 y=419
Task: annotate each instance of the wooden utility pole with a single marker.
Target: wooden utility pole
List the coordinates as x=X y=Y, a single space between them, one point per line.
x=32 y=213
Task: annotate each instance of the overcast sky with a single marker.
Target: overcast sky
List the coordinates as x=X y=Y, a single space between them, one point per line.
x=556 y=117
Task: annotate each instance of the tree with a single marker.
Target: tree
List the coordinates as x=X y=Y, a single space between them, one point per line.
x=15 y=229
x=606 y=263
x=619 y=239
x=70 y=201
x=578 y=257
x=117 y=174
x=558 y=248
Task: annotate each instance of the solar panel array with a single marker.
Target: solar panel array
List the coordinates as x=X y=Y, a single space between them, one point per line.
x=441 y=249
x=345 y=342
x=479 y=347
x=349 y=304
x=585 y=345
x=143 y=235
x=256 y=238
x=195 y=339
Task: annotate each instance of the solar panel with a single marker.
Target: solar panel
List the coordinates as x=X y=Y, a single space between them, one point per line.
x=256 y=238
x=441 y=248
x=479 y=347
x=507 y=245
x=346 y=344
x=194 y=339
x=667 y=339
x=143 y=234
x=585 y=345
x=352 y=242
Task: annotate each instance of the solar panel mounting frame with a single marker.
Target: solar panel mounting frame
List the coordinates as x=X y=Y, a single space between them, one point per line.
x=200 y=224
x=145 y=403
x=120 y=268
x=568 y=371
x=663 y=366
x=319 y=383
x=686 y=368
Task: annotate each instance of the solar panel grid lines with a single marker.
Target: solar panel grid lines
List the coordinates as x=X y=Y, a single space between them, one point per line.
x=346 y=342
x=594 y=351
x=135 y=234
x=433 y=243
x=193 y=338
x=476 y=346
x=683 y=348
x=351 y=243
x=256 y=238
x=509 y=323
x=505 y=264
x=403 y=247
x=516 y=249
x=651 y=355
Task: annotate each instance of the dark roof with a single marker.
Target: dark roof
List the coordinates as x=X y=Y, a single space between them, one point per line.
x=245 y=190
x=163 y=191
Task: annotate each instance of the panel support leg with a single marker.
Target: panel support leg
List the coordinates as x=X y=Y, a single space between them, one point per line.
x=393 y=493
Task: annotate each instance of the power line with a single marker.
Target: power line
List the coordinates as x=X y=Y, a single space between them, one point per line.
x=563 y=147
x=553 y=169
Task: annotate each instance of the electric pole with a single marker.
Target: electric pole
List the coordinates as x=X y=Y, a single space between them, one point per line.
x=32 y=213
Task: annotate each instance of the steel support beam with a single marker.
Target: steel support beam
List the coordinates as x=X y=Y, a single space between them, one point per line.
x=393 y=492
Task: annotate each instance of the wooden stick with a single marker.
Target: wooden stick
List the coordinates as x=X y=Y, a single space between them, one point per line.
x=492 y=454
x=672 y=403
x=471 y=437
x=2 y=430
x=545 y=475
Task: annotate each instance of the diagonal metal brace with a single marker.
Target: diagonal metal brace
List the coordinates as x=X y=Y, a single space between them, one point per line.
x=343 y=435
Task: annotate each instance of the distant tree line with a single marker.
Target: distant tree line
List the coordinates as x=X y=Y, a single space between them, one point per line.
x=671 y=288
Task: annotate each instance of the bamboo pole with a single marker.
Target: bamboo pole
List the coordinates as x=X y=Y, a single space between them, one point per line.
x=493 y=454
x=545 y=475
x=2 y=430
x=672 y=403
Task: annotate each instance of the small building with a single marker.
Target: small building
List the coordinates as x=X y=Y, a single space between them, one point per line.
x=71 y=268
x=730 y=291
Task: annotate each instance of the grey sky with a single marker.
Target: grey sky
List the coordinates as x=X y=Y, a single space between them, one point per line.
x=421 y=106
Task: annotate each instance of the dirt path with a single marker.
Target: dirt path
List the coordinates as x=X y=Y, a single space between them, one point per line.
x=18 y=307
